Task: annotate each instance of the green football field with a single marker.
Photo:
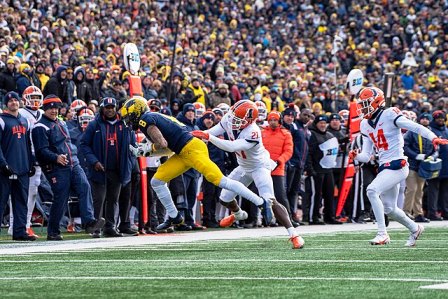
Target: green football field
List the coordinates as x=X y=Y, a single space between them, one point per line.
x=341 y=265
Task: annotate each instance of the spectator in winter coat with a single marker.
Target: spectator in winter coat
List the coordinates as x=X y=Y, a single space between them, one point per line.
x=23 y=79
x=210 y=191
x=438 y=187
x=56 y=83
x=278 y=142
x=323 y=150
x=7 y=77
x=416 y=149
x=83 y=89
x=295 y=166
x=221 y=95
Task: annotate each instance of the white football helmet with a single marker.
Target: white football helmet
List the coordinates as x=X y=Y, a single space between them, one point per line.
x=33 y=97
x=262 y=112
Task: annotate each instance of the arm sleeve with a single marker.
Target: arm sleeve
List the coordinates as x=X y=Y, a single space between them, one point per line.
x=367 y=150
x=42 y=146
x=231 y=146
x=287 y=149
x=404 y=123
x=2 y=156
x=216 y=130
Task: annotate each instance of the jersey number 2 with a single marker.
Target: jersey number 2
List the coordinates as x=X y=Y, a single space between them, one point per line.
x=380 y=141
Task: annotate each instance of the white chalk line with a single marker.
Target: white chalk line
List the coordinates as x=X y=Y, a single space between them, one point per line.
x=296 y=278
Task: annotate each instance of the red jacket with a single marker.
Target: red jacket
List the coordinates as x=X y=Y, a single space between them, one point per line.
x=279 y=144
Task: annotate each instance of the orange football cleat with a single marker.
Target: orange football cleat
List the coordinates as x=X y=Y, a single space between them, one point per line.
x=227 y=221
x=297 y=242
x=30 y=232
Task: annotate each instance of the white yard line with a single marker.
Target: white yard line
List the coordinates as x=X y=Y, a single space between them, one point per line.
x=295 y=278
x=443 y=286
x=73 y=245
x=224 y=261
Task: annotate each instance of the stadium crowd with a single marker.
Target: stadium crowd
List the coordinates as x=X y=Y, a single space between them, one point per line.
x=292 y=56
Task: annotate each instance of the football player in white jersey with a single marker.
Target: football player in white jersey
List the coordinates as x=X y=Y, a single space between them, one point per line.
x=32 y=97
x=381 y=128
x=254 y=162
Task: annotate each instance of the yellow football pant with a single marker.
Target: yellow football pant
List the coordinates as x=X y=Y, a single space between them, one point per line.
x=193 y=155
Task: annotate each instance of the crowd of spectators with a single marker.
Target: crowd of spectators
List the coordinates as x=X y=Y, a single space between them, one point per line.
x=279 y=52
x=74 y=48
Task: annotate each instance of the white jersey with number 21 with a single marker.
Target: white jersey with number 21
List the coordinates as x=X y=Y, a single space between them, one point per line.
x=255 y=157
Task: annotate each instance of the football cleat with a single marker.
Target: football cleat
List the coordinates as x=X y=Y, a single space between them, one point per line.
x=266 y=210
x=380 y=239
x=30 y=232
x=229 y=220
x=414 y=236
x=297 y=242
x=178 y=220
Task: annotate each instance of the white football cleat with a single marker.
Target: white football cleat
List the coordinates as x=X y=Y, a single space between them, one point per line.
x=414 y=236
x=380 y=239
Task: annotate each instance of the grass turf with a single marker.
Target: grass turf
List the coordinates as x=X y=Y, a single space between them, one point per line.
x=342 y=265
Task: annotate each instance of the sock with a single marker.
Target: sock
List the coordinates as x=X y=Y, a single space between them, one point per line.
x=164 y=195
x=132 y=215
x=30 y=204
x=292 y=232
x=240 y=189
x=401 y=218
x=378 y=210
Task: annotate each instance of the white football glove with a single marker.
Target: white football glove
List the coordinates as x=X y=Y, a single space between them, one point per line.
x=420 y=157
x=143 y=149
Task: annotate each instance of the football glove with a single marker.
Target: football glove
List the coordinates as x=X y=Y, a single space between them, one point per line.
x=200 y=134
x=352 y=154
x=439 y=141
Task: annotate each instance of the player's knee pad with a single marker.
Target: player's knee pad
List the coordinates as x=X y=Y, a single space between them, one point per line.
x=371 y=193
x=388 y=210
x=156 y=183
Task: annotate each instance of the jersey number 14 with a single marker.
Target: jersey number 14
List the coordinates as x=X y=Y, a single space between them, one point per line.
x=380 y=140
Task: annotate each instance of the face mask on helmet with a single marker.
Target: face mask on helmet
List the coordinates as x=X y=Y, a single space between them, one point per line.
x=85 y=117
x=33 y=97
x=243 y=113
x=368 y=101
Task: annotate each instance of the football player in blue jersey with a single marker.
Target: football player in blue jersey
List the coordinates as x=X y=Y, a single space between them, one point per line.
x=166 y=132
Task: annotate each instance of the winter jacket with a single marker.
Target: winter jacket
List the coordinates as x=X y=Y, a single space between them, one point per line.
x=76 y=134
x=7 y=81
x=441 y=132
x=279 y=144
x=93 y=146
x=51 y=138
x=412 y=149
x=15 y=145
x=56 y=84
x=83 y=89
x=215 y=98
x=300 y=140
x=323 y=150
x=22 y=82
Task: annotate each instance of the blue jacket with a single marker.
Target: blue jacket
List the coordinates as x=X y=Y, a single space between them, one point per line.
x=93 y=146
x=51 y=138
x=411 y=149
x=76 y=134
x=300 y=139
x=441 y=132
x=15 y=145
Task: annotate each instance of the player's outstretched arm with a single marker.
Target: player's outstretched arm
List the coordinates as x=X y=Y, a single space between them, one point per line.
x=404 y=123
x=157 y=137
x=231 y=146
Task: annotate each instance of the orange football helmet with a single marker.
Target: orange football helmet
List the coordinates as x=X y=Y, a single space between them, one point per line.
x=33 y=97
x=242 y=114
x=368 y=101
x=200 y=109
x=262 y=112
x=85 y=115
